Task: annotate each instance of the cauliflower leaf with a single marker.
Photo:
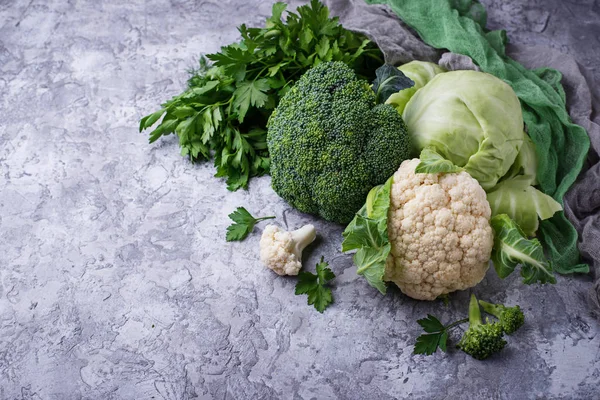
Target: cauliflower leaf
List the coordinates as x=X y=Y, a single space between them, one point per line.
x=371 y=264
x=367 y=233
x=511 y=247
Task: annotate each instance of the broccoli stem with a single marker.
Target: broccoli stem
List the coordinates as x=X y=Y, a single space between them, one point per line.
x=511 y=318
x=492 y=309
x=452 y=325
x=474 y=312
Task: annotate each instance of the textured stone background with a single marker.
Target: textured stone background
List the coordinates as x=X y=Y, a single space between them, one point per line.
x=115 y=278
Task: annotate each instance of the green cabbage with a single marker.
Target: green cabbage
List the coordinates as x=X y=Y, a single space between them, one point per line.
x=472 y=119
x=525 y=164
x=515 y=196
x=420 y=72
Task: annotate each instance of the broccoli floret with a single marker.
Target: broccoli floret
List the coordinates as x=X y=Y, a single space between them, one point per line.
x=330 y=143
x=510 y=318
x=481 y=340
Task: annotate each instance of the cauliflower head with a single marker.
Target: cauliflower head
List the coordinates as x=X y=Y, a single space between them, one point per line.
x=439 y=231
x=281 y=251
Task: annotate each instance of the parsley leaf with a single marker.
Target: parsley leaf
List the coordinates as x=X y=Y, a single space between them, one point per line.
x=250 y=93
x=243 y=224
x=428 y=344
x=431 y=324
x=436 y=337
x=227 y=103
x=313 y=285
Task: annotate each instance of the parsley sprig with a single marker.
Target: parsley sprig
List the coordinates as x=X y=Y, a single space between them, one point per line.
x=437 y=335
x=223 y=113
x=243 y=224
x=314 y=286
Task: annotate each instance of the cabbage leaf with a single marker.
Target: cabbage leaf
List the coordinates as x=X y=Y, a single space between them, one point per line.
x=525 y=164
x=420 y=72
x=433 y=163
x=522 y=203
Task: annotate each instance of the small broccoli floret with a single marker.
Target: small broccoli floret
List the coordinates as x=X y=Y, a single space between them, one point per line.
x=510 y=318
x=481 y=340
x=330 y=143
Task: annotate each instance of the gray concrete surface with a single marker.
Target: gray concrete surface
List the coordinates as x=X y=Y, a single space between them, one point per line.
x=115 y=278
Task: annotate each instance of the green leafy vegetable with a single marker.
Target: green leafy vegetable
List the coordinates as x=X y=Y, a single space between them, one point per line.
x=243 y=224
x=420 y=72
x=433 y=163
x=225 y=109
x=437 y=336
x=314 y=286
x=525 y=165
x=511 y=247
x=516 y=196
x=472 y=119
x=523 y=203
x=250 y=94
x=389 y=80
x=562 y=146
x=367 y=233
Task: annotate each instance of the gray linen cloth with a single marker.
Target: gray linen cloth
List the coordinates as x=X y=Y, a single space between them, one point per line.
x=400 y=45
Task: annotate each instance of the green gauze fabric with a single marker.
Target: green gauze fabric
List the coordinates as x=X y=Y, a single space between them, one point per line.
x=562 y=146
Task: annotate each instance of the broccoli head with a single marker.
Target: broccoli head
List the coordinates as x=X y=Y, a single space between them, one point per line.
x=481 y=340
x=330 y=143
x=510 y=318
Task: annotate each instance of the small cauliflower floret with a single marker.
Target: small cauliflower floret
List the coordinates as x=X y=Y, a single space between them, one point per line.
x=439 y=231
x=281 y=250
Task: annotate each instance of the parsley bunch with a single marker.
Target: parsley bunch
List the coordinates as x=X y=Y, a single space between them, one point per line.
x=224 y=111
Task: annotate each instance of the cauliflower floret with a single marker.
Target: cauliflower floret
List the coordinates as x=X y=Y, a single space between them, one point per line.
x=281 y=251
x=439 y=231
